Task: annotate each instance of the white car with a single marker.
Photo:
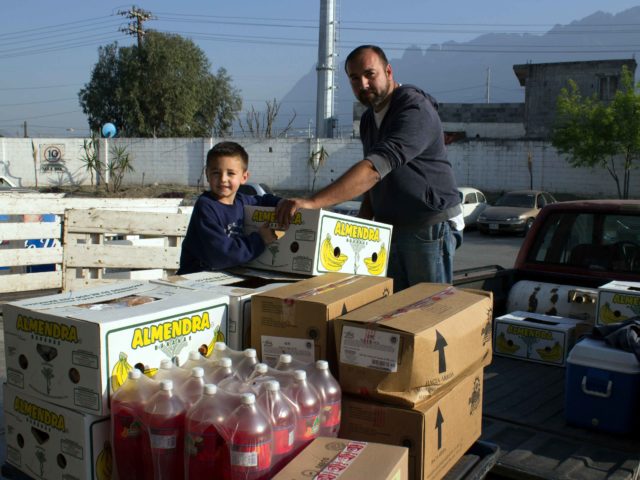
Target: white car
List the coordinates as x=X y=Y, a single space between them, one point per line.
x=473 y=204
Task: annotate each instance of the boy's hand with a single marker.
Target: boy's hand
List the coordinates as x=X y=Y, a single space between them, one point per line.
x=269 y=234
x=287 y=208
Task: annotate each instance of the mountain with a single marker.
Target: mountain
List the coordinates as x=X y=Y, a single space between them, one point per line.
x=457 y=72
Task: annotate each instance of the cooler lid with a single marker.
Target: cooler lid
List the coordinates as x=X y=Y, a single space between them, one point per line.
x=590 y=352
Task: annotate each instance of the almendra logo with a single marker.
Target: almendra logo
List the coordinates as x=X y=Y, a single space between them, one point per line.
x=39 y=414
x=262 y=216
x=145 y=336
x=59 y=331
x=621 y=299
x=360 y=232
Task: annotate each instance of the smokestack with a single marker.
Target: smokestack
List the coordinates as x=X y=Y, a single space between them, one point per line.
x=326 y=70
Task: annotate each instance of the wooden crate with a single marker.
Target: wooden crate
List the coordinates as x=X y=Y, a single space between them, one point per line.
x=94 y=252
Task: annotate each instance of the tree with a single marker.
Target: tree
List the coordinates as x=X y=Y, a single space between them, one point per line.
x=162 y=89
x=260 y=124
x=595 y=133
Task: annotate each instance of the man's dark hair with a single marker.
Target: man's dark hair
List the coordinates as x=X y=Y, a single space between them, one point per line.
x=228 y=149
x=358 y=50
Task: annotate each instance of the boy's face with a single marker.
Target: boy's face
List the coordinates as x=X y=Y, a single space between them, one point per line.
x=225 y=175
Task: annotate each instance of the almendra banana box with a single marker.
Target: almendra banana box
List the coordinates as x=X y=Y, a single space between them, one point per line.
x=74 y=349
x=537 y=337
x=618 y=301
x=50 y=442
x=320 y=241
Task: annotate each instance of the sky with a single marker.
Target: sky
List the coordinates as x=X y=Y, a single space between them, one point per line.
x=49 y=48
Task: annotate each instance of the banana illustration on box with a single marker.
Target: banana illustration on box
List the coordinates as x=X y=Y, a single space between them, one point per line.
x=506 y=346
x=330 y=258
x=218 y=336
x=551 y=354
x=608 y=315
x=376 y=262
x=104 y=463
x=120 y=372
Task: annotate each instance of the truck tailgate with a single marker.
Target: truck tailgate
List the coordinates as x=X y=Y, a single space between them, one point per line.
x=524 y=415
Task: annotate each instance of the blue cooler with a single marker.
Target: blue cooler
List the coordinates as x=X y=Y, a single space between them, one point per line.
x=602 y=389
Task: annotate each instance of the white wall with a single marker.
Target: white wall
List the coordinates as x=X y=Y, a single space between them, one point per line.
x=491 y=165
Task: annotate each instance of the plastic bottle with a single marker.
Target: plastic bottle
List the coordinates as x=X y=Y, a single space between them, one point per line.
x=128 y=435
x=222 y=371
x=308 y=404
x=206 y=452
x=246 y=365
x=220 y=350
x=195 y=359
x=191 y=390
x=250 y=441
x=285 y=362
x=282 y=415
x=164 y=417
x=168 y=371
x=331 y=397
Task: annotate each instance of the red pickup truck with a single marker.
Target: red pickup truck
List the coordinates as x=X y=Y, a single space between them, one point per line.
x=571 y=249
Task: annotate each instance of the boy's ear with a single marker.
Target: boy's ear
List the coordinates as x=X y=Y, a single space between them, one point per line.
x=245 y=177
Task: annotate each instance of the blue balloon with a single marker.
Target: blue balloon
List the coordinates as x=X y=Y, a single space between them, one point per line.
x=109 y=130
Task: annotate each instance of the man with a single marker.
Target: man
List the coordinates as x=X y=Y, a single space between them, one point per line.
x=405 y=172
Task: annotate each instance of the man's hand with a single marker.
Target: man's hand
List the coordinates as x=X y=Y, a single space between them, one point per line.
x=287 y=208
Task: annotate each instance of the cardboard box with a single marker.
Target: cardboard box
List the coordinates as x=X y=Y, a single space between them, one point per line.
x=331 y=458
x=239 y=331
x=618 y=301
x=54 y=443
x=319 y=241
x=403 y=348
x=437 y=432
x=602 y=388
x=537 y=337
x=298 y=318
x=75 y=348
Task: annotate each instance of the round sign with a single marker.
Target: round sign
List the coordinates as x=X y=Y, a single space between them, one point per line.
x=109 y=130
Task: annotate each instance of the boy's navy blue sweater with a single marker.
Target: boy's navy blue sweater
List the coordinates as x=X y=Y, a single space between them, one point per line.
x=215 y=237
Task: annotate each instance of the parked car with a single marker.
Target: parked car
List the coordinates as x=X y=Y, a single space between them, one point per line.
x=514 y=211
x=352 y=207
x=473 y=204
x=253 y=188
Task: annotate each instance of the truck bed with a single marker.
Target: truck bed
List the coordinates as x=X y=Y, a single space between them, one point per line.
x=524 y=415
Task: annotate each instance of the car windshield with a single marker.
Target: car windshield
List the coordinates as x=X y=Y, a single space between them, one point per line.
x=522 y=200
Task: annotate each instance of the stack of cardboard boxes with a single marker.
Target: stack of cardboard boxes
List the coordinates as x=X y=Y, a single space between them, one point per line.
x=66 y=353
x=410 y=363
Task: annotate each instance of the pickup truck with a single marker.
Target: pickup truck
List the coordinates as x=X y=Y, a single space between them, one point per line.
x=572 y=248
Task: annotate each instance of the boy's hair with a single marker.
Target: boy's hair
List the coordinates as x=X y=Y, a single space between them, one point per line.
x=228 y=149
x=358 y=50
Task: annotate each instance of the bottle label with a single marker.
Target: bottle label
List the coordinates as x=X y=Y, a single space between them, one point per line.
x=331 y=414
x=127 y=426
x=252 y=456
x=309 y=426
x=283 y=439
x=163 y=441
x=244 y=459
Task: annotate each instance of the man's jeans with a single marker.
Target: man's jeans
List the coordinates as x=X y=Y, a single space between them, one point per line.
x=421 y=255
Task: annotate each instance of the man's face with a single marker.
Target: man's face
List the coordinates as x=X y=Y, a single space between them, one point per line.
x=371 y=81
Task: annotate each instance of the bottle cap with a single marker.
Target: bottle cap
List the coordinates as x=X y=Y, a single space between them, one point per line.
x=322 y=365
x=135 y=374
x=220 y=346
x=250 y=352
x=299 y=374
x=210 y=389
x=285 y=358
x=194 y=355
x=225 y=362
x=166 y=385
x=197 y=372
x=166 y=364
x=261 y=368
x=248 y=399
x=272 y=385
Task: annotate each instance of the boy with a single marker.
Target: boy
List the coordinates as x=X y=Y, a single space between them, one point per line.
x=215 y=237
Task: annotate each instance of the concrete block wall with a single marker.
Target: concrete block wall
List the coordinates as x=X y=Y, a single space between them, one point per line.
x=491 y=165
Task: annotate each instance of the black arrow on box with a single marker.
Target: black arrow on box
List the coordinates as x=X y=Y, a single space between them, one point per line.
x=439 y=422
x=440 y=344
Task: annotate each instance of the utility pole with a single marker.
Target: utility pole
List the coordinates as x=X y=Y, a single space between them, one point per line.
x=488 y=82
x=136 y=26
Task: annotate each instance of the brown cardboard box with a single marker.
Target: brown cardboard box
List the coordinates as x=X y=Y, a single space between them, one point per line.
x=437 y=432
x=403 y=348
x=298 y=318
x=332 y=458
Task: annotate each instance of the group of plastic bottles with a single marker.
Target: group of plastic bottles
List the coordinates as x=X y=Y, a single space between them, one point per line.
x=223 y=417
